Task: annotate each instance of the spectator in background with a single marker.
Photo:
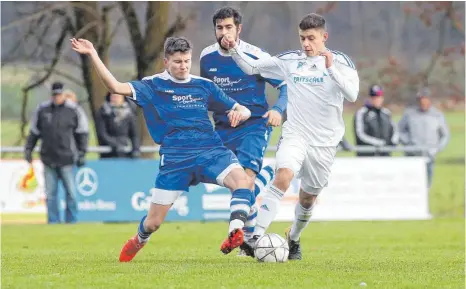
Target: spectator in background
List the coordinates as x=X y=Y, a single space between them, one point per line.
x=116 y=127
x=373 y=125
x=424 y=126
x=63 y=128
x=70 y=95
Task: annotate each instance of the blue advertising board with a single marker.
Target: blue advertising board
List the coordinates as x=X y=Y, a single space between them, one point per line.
x=120 y=190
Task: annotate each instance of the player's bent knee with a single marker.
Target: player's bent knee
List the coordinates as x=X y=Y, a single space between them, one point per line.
x=310 y=191
x=238 y=179
x=283 y=179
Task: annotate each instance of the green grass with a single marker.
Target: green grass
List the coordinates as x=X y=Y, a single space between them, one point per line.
x=411 y=254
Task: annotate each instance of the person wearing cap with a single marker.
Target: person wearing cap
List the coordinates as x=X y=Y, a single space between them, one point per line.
x=62 y=127
x=373 y=124
x=116 y=127
x=424 y=126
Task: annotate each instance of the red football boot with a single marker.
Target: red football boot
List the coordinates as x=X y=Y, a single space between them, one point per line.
x=235 y=239
x=130 y=249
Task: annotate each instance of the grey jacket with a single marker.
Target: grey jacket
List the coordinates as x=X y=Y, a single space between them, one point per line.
x=428 y=129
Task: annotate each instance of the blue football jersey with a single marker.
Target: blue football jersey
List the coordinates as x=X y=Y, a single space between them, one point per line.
x=176 y=111
x=247 y=90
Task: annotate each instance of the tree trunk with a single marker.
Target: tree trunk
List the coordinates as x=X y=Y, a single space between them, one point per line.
x=156 y=25
x=96 y=91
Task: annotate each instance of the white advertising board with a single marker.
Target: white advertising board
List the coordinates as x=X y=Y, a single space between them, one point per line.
x=392 y=188
x=13 y=197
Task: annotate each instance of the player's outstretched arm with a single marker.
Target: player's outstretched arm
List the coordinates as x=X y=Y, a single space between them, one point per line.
x=84 y=46
x=266 y=65
x=345 y=76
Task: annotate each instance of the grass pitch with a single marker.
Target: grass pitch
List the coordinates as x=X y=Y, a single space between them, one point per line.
x=404 y=254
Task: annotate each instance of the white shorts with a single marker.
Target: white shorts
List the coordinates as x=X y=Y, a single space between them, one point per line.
x=309 y=163
x=164 y=197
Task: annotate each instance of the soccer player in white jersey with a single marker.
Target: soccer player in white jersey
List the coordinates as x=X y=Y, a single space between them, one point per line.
x=318 y=81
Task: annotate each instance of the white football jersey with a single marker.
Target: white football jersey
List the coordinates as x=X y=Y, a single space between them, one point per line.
x=315 y=93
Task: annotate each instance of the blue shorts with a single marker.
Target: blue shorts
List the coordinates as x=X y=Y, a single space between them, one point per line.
x=249 y=146
x=179 y=171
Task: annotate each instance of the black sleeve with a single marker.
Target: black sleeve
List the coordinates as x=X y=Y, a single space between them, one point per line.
x=31 y=142
x=34 y=132
x=81 y=142
x=101 y=129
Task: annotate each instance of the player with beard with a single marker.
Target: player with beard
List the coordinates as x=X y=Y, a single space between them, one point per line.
x=250 y=139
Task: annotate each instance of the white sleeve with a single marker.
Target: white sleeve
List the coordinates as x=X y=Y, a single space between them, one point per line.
x=267 y=66
x=346 y=78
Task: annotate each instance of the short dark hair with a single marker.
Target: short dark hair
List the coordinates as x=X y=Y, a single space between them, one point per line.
x=227 y=12
x=176 y=44
x=312 y=21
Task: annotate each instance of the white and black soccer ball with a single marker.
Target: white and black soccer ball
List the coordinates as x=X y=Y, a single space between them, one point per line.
x=271 y=248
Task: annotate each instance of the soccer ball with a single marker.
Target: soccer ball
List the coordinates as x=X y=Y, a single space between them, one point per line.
x=271 y=248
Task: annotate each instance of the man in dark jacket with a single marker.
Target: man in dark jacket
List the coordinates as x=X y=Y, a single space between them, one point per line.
x=116 y=126
x=63 y=128
x=373 y=124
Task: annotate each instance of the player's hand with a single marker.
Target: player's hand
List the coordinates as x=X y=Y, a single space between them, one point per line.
x=82 y=46
x=238 y=115
x=328 y=58
x=234 y=117
x=275 y=118
x=228 y=41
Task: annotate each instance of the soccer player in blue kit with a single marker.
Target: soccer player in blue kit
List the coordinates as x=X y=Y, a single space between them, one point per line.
x=175 y=105
x=250 y=139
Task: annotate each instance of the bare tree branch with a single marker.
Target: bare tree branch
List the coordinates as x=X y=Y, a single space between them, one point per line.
x=70 y=60
x=133 y=25
x=34 y=16
x=115 y=30
x=104 y=29
x=60 y=73
x=86 y=28
x=179 y=25
x=58 y=48
x=441 y=43
x=88 y=9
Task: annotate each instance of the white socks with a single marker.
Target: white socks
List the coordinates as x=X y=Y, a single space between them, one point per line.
x=235 y=224
x=268 y=209
x=302 y=217
x=250 y=222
